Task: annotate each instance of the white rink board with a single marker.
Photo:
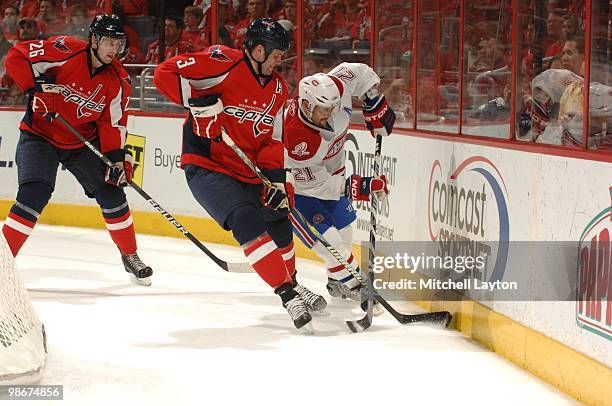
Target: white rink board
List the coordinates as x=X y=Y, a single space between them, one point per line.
x=548 y=198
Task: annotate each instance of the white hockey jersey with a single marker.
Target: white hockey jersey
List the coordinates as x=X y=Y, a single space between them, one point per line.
x=316 y=155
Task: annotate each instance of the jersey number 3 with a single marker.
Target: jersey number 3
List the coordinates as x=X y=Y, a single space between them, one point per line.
x=183 y=64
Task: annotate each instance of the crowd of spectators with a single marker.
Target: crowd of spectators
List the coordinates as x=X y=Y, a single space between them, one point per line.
x=551 y=37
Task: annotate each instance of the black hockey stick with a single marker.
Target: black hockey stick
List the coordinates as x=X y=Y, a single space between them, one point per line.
x=366 y=321
x=226 y=266
x=402 y=318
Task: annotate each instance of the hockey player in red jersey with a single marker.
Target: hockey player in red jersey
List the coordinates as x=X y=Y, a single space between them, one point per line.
x=240 y=92
x=91 y=91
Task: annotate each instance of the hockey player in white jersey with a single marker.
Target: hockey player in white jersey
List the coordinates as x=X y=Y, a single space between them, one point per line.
x=316 y=124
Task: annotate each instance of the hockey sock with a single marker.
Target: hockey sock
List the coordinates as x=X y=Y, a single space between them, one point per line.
x=32 y=198
x=266 y=259
x=341 y=274
x=334 y=269
x=18 y=225
x=288 y=254
x=118 y=218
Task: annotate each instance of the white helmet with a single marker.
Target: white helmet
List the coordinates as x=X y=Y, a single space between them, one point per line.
x=318 y=90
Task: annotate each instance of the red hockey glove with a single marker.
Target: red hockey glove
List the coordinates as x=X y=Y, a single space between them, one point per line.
x=120 y=174
x=207 y=115
x=379 y=118
x=281 y=194
x=45 y=96
x=360 y=187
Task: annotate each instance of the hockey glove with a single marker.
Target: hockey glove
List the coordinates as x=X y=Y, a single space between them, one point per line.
x=379 y=118
x=207 y=115
x=120 y=173
x=44 y=98
x=281 y=194
x=360 y=187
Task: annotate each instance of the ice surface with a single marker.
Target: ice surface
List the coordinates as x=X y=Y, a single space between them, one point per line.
x=201 y=336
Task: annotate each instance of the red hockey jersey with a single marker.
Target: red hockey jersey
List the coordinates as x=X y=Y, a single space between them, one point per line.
x=253 y=110
x=95 y=104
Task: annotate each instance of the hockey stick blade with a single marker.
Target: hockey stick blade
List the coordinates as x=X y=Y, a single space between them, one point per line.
x=364 y=323
x=433 y=317
x=357 y=326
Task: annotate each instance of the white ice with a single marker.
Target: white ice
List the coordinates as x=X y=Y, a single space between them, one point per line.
x=201 y=336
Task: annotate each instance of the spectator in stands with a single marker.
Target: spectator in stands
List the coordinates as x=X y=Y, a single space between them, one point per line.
x=9 y=23
x=362 y=22
x=78 y=22
x=29 y=8
x=255 y=9
x=288 y=12
x=226 y=23
x=554 y=29
x=198 y=37
x=482 y=62
x=5 y=45
x=174 y=45
x=46 y=14
x=573 y=55
x=29 y=30
x=134 y=8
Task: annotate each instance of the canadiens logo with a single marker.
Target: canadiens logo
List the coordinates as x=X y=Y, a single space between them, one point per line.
x=318 y=218
x=336 y=146
x=60 y=44
x=301 y=149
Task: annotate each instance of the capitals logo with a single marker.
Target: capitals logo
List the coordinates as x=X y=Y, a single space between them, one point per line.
x=594 y=285
x=467 y=206
x=60 y=44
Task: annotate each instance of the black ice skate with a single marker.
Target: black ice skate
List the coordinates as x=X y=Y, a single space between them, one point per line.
x=314 y=302
x=140 y=274
x=338 y=289
x=295 y=307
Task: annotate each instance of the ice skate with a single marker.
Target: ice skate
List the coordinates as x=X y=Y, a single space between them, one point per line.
x=337 y=289
x=140 y=274
x=316 y=304
x=299 y=314
x=297 y=309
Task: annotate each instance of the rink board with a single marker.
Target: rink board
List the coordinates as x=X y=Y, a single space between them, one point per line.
x=532 y=197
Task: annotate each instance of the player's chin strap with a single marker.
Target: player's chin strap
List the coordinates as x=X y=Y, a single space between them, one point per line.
x=259 y=64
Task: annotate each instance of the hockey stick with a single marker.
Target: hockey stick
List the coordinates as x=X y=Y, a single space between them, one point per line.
x=366 y=321
x=402 y=318
x=226 y=266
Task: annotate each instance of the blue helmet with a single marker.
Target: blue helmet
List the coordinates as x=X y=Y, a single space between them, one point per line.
x=266 y=32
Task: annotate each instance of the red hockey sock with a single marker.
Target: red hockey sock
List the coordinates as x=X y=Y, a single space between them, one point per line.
x=265 y=257
x=121 y=231
x=288 y=254
x=340 y=273
x=16 y=231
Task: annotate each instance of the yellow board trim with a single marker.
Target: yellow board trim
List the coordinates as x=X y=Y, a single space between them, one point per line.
x=561 y=366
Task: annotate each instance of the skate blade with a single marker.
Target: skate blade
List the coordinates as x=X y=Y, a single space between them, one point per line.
x=140 y=281
x=321 y=313
x=377 y=309
x=307 y=329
